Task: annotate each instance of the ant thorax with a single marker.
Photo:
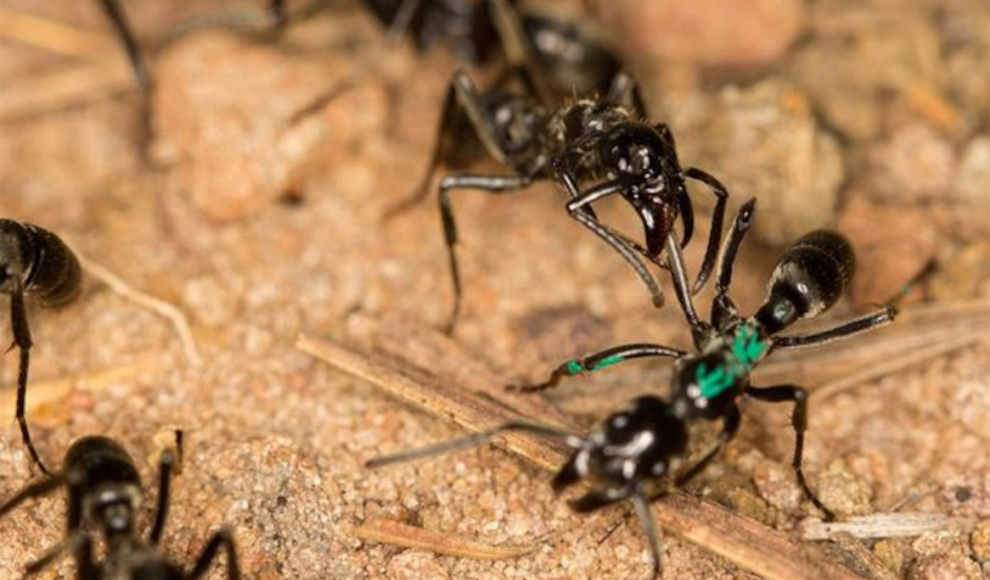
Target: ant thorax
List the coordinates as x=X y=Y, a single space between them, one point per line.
x=575 y=133
x=705 y=383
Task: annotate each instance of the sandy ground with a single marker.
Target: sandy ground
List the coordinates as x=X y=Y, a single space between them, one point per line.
x=259 y=233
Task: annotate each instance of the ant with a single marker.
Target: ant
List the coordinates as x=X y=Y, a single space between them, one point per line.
x=104 y=490
x=35 y=262
x=625 y=455
x=602 y=144
x=552 y=58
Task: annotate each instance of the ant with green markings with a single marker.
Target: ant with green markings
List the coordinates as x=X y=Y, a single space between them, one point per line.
x=628 y=454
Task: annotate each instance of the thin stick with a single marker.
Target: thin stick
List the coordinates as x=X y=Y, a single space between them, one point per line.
x=160 y=307
x=746 y=542
x=61 y=89
x=406 y=536
x=51 y=35
x=891 y=525
x=47 y=392
x=866 y=558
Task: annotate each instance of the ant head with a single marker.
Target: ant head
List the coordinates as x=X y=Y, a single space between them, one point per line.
x=808 y=280
x=635 y=445
x=640 y=154
x=703 y=386
x=113 y=505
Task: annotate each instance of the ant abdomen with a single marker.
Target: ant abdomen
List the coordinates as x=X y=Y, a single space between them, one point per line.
x=95 y=459
x=56 y=276
x=808 y=279
x=46 y=267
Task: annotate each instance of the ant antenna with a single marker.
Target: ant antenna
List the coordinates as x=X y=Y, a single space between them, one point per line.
x=473 y=440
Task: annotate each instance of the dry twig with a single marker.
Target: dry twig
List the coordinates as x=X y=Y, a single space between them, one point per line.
x=407 y=536
x=127 y=292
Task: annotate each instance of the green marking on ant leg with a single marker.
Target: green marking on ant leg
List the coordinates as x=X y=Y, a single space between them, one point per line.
x=609 y=360
x=574 y=367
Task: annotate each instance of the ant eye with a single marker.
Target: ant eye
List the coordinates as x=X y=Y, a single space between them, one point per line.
x=784 y=312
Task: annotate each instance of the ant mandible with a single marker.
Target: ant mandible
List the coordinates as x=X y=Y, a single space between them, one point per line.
x=601 y=142
x=626 y=455
x=33 y=262
x=104 y=490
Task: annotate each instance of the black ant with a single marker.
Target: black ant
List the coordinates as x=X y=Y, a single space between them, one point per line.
x=552 y=58
x=104 y=490
x=35 y=262
x=625 y=455
x=601 y=142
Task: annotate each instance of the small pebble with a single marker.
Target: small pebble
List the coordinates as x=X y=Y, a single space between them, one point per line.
x=706 y=33
x=775 y=483
x=844 y=493
x=916 y=164
x=944 y=567
x=980 y=540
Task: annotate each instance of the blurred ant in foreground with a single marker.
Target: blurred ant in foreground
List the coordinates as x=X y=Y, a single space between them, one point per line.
x=592 y=148
x=104 y=490
x=33 y=262
x=625 y=456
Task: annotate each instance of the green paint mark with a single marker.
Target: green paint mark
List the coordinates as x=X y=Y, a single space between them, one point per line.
x=574 y=367
x=714 y=382
x=747 y=347
x=609 y=360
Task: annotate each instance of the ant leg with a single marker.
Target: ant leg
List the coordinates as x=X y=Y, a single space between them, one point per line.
x=166 y=465
x=221 y=539
x=516 y=46
x=78 y=543
x=624 y=91
x=600 y=360
x=462 y=96
x=22 y=338
x=799 y=420
x=489 y=183
x=134 y=55
x=718 y=216
x=579 y=209
x=38 y=489
x=730 y=426
x=642 y=506
x=474 y=440
x=722 y=305
x=881 y=317
x=626 y=252
x=679 y=274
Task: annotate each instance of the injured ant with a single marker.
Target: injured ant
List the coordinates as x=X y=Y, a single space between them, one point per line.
x=33 y=262
x=601 y=141
x=625 y=456
x=104 y=490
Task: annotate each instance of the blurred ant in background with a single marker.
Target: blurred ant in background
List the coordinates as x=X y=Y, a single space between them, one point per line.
x=104 y=492
x=33 y=262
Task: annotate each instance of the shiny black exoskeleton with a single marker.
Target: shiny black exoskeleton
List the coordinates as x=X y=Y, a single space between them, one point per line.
x=104 y=493
x=33 y=262
x=592 y=148
x=639 y=452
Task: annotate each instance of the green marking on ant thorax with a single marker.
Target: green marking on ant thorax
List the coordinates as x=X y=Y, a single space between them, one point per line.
x=713 y=382
x=747 y=346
